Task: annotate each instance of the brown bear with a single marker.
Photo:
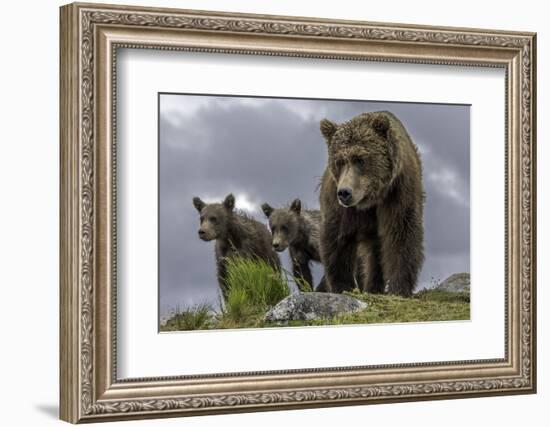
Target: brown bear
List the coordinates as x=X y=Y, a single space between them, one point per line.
x=298 y=230
x=372 y=199
x=235 y=233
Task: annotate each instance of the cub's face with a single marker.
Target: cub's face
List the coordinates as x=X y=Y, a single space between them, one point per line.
x=284 y=228
x=212 y=222
x=283 y=223
x=360 y=161
x=213 y=218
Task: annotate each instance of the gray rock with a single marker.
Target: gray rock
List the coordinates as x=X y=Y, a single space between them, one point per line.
x=313 y=305
x=458 y=282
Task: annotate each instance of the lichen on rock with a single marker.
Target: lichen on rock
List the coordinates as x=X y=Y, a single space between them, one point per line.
x=312 y=306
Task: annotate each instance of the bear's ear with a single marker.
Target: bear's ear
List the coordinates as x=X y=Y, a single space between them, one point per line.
x=381 y=124
x=198 y=203
x=229 y=202
x=296 y=206
x=268 y=210
x=328 y=128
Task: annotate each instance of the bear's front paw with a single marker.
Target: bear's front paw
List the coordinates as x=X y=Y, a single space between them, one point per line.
x=339 y=287
x=397 y=288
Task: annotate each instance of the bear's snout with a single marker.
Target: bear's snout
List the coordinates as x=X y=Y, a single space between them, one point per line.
x=345 y=195
x=279 y=246
x=203 y=235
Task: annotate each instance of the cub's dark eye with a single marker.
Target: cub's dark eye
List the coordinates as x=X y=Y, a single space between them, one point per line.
x=284 y=228
x=213 y=219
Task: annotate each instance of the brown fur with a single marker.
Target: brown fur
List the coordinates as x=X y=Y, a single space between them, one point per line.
x=372 y=201
x=298 y=230
x=235 y=234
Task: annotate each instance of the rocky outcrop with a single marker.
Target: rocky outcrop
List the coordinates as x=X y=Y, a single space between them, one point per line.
x=312 y=306
x=458 y=282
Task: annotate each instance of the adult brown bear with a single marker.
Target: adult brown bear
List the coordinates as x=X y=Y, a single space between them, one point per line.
x=372 y=201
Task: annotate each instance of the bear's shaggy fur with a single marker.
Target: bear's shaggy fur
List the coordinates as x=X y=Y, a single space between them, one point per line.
x=298 y=230
x=235 y=234
x=372 y=201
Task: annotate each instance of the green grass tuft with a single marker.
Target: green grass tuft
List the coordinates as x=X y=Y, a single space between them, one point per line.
x=302 y=285
x=237 y=306
x=253 y=286
x=193 y=318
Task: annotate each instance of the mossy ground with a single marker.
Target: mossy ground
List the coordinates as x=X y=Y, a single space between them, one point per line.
x=427 y=305
x=253 y=287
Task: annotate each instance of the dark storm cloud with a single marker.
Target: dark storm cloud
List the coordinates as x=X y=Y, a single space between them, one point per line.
x=271 y=150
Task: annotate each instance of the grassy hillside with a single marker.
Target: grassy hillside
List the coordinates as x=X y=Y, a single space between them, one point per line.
x=254 y=288
x=428 y=305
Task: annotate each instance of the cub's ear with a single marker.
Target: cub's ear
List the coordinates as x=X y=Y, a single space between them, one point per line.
x=381 y=124
x=268 y=210
x=229 y=202
x=296 y=206
x=328 y=128
x=198 y=203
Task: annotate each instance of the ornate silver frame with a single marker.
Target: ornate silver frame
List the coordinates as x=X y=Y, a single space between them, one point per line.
x=90 y=35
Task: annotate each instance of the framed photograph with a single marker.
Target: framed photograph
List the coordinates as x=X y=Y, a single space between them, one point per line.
x=267 y=212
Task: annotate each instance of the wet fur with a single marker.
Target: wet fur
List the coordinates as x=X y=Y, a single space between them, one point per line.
x=236 y=234
x=376 y=244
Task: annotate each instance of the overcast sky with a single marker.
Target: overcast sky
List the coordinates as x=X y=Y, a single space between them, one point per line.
x=271 y=150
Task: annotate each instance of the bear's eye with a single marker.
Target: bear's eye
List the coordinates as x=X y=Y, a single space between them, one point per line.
x=340 y=163
x=284 y=228
x=213 y=219
x=359 y=161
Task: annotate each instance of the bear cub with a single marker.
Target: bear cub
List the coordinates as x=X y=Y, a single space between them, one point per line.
x=297 y=230
x=371 y=201
x=235 y=233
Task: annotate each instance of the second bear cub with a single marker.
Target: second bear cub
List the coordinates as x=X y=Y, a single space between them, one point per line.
x=297 y=230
